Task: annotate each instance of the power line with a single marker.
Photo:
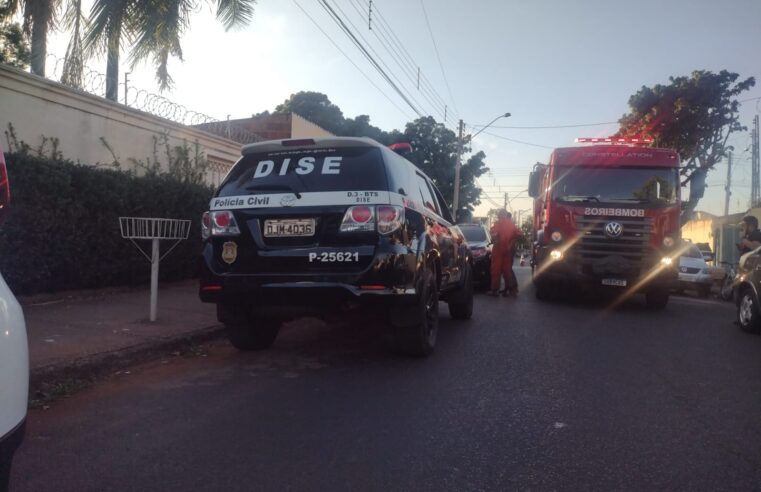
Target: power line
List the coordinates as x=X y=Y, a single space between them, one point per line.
x=406 y=115
x=520 y=141
x=394 y=56
x=390 y=37
x=337 y=19
x=438 y=57
x=580 y=125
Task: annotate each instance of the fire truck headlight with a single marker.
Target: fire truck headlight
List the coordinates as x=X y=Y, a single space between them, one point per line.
x=666 y=261
x=668 y=241
x=557 y=236
x=556 y=254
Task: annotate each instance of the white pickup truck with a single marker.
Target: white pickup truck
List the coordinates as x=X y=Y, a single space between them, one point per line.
x=14 y=360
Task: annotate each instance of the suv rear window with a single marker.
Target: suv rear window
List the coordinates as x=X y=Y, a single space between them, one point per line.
x=305 y=170
x=473 y=233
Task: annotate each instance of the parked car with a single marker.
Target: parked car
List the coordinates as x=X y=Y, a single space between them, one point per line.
x=313 y=226
x=480 y=244
x=705 y=250
x=694 y=273
x=746 y=292
x=14 y=360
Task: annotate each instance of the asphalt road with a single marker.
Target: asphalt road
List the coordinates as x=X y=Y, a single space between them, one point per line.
x=526 y=395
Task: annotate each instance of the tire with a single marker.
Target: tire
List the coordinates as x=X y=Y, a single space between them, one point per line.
x=461 y=305
x=416 y=327
x=246 y=331
x=657 y=299
x=747 y=312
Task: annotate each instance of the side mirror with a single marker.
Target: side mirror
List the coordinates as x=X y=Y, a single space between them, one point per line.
x=5 y=190
x=533 y=184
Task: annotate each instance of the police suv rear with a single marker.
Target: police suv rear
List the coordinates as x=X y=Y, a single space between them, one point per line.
x=302 y=227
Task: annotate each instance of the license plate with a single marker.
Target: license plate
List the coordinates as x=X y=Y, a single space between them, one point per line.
x=617 y=282
x=289 y=228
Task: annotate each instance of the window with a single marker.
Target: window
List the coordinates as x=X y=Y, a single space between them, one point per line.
x=425 y=194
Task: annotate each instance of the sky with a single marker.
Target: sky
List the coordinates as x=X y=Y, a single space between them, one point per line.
x=547 y=62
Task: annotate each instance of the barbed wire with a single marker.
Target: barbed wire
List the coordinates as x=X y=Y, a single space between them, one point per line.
x=94 y=82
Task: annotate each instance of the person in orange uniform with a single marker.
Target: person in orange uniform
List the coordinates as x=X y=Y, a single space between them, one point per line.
x=504 y=234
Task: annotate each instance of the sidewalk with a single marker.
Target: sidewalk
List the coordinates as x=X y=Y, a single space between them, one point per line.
x=81 y=331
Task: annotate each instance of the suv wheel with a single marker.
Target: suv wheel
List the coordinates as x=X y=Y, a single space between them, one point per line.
x=747 y=312
x=461 y=305
x=416 y=327
x=246 y=331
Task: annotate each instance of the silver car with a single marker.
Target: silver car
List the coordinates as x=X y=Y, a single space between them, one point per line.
x=694 y=273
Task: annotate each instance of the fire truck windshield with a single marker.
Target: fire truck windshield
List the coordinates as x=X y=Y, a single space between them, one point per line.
x=651 y=187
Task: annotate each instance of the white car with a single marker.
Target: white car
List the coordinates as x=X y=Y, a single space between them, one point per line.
x=694 y=272
x=14 y=360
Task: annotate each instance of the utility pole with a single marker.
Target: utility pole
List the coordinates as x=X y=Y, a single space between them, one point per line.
x=505 y=205
x=728 y=187
x=755 y=193
x=456 y=198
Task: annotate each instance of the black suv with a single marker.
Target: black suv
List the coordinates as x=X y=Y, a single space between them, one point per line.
x=303 y=227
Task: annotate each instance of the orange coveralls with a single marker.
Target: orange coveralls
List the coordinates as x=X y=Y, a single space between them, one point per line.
x=504 y=233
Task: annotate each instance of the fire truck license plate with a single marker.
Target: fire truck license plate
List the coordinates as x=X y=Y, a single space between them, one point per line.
x=617 y=282
x=289 y=228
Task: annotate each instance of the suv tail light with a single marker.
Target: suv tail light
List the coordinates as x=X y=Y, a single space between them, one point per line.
x=5 y=189
x=390 y=218
x=219 y=223
x=205 y=225
x=359 y=218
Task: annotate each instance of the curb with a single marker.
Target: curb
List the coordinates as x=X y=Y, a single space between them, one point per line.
x=47 y=382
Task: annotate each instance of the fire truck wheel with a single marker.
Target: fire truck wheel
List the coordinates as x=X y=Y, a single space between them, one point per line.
x=657 y=299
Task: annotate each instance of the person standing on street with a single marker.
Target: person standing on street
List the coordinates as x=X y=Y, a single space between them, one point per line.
x=504 y=234
x=751 y=236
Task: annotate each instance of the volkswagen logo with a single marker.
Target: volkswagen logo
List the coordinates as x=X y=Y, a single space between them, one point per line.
x=614 y=229
x=288 y=201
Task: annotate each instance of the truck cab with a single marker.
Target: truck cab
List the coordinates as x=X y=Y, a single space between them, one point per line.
x=607 y=216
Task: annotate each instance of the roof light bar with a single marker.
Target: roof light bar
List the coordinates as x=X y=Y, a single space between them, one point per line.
x=615 y=140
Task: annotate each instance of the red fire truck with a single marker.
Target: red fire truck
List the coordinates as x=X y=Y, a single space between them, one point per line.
x=607 y=216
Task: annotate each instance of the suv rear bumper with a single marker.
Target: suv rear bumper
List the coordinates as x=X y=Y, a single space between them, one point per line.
x=308 y=293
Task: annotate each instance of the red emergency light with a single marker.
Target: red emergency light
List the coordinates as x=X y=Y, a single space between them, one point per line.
x=615 y=140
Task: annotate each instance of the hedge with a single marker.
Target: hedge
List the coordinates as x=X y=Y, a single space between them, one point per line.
x=63 y=229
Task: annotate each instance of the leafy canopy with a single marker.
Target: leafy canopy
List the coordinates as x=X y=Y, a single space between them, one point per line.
x=695 y=115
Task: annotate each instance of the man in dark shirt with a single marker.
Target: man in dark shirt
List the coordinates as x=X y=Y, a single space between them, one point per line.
x=751 y=236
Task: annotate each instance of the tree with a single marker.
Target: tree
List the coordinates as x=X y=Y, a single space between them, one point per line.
x=435 y=153
x=694 y=115
x=14 y=49
x=73 y=65
x=154 y=29
x=317 y=108
x=40 y=17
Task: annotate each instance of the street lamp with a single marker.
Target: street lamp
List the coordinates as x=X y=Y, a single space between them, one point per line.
x=458 y=165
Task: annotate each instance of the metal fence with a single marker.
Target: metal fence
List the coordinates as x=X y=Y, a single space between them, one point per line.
x=94 y=82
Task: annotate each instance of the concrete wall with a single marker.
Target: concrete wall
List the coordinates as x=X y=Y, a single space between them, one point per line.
x=36 y=106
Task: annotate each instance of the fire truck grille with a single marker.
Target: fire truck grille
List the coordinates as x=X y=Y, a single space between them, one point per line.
x=600 y=252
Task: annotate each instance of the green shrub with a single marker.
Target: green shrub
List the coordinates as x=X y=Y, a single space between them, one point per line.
x=63 y=228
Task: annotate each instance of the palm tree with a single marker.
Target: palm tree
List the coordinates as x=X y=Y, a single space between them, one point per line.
x=40 y=17
x=154 y=28
x=73 y=65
